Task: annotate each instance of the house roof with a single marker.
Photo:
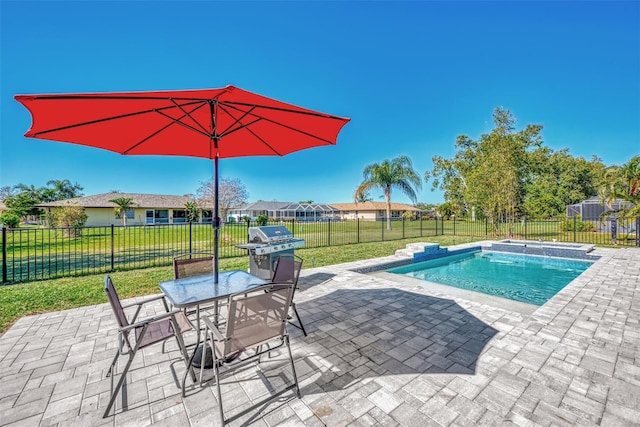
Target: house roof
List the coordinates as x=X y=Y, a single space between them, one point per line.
x=140 y=200
x=373 y=206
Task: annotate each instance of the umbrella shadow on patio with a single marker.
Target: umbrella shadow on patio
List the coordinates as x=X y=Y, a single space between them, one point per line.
x=360 y=333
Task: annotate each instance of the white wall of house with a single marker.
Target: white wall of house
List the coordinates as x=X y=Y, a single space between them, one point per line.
x=100 y=217
x=376 y=215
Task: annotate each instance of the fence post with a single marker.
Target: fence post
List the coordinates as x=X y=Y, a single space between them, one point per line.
x=403 y=227
x=112 y=248
x=575 y=218
x=454 y=224
x=357 y=228
x=638 y=231
x=384 y=221
x=525 y=228
x=329 y=233
x=4 y=255
x=190 y=238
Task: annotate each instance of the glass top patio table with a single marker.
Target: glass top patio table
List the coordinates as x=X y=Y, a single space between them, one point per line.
x=197 y=290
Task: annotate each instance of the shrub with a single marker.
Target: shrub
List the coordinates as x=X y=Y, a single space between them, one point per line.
x=71 y=217
x=409 y=215
x=580 y=225
x=10 y=220
x=262 y=219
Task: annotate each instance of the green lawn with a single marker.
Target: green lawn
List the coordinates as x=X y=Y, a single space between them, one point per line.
x=59 y=294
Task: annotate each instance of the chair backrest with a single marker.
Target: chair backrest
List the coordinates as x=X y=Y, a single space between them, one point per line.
x=116 y=305
x=256 y=317
x=193 y=264
x=287 y=269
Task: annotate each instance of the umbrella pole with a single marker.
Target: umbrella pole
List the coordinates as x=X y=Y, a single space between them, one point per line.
x=216 y=220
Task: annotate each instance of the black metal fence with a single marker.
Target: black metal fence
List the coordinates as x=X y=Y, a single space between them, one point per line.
x=612 y=232
x=41 y=253
x=44 y=253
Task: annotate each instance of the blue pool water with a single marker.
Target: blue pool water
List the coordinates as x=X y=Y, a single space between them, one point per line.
x=529 y=279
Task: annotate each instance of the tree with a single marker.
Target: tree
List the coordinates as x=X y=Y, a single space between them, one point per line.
x=623 y=183
x=364 y=197
x=192 y=211
x=450 y=175
x=396 y=173
x=231 y=193
x=23 y=205
x=6 y=191
x=123 y=205
x=61 y=190
x=490 y=173
x=30 y=190
x=557 y=179
x=448 y=209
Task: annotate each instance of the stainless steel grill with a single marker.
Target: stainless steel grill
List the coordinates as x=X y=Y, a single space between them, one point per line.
x=265 y=245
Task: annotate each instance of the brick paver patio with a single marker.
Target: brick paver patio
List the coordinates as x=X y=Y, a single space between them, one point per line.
x=379 y=351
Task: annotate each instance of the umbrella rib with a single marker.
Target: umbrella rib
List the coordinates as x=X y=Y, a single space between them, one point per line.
x=172 y=122
x=229 y=131
x=188 y=114
x=235 y=121
x=280 y=124
x=106 y=119
x=285 y=110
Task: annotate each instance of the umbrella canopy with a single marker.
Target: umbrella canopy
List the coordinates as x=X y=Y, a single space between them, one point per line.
x=208 y=123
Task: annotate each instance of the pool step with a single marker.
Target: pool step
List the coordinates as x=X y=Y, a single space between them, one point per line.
x=421 y=251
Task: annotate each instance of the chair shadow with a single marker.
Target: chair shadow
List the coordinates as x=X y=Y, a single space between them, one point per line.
x=376 y=332
x=308 y=281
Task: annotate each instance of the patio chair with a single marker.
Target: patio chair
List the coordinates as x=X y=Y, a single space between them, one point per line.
x=135 y=334
x=255 y=326
x=192 y=264
x=287 y=270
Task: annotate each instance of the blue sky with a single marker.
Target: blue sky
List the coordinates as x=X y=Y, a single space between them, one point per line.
x=411 y=76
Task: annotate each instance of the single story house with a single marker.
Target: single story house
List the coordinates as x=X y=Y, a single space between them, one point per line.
x=253 y=210
x=147 y=209
x=280 y=211
x=373 y=211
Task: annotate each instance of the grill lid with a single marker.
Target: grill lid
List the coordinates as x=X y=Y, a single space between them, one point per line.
x=269 y=234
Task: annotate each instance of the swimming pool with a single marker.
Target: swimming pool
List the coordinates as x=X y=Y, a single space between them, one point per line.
x=525 y=278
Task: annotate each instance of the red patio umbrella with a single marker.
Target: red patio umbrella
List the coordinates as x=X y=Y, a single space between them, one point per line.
x=209 y=123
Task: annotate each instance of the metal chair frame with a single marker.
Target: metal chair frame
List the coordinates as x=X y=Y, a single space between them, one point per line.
x=263 y=312
x=165 y=326
x=287 y=270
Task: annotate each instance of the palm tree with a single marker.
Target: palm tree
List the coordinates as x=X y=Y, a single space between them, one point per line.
x=623 y=183
x=396 y=173
x=123 y=205
x=64 y=189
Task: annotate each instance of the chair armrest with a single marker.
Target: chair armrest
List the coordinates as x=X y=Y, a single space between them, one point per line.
x=147 y=320
x=150 y=299
x=217 y=336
